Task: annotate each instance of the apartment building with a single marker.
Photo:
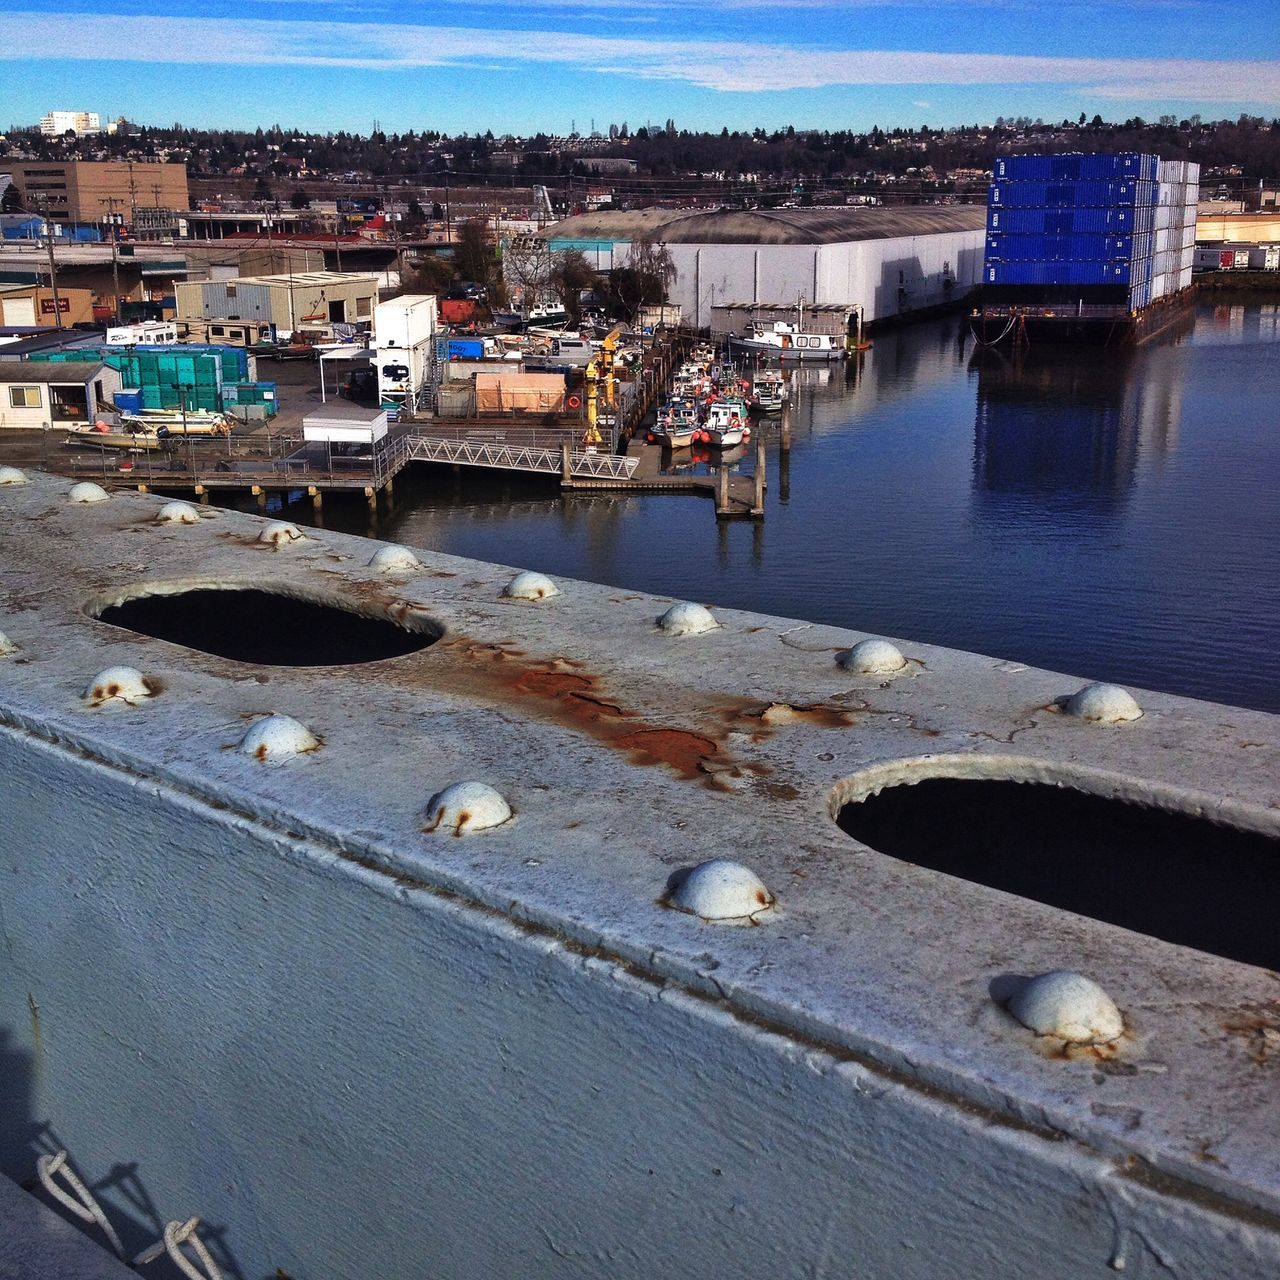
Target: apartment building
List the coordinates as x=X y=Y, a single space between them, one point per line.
x=55 y=123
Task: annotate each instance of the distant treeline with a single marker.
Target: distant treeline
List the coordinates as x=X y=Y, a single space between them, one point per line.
x=1248 y=148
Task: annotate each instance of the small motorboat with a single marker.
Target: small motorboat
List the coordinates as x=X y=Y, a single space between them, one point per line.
x=100 y=435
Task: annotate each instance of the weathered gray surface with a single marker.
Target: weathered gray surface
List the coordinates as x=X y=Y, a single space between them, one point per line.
x=358 y=1048
x=36 y=1244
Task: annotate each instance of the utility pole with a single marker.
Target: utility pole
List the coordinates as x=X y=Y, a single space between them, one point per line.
x=113 y=221
x=53 y=266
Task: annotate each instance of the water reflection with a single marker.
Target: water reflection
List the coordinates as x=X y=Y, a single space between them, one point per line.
x=1059 y=427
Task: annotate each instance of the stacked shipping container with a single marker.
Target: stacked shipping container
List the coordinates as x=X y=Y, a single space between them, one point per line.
x=1178 y=193
x=1116 y=229
x=162 y=377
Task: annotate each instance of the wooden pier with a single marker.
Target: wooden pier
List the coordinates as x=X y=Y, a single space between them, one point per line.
x=318 y=470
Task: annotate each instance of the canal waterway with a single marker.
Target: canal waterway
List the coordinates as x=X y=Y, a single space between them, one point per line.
x=1113 y=515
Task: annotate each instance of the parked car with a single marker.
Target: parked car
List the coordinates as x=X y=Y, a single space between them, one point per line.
x=467 y=289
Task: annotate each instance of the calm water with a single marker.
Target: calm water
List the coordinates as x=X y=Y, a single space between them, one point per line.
x=1115 y=516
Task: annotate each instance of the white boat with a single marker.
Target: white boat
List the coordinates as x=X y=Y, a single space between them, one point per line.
x=196 y=424
x=785 y=341
x=101 y=436
x=726 y=424
x=768 y=391
x=676 y=426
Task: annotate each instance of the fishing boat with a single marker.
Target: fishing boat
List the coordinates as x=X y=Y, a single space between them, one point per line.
x=676 y=426
x=768 y=391
x=164 y=423
x=726 y=424
x=785 y=341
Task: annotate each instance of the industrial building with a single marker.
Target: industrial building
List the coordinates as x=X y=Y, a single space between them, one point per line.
x=885 y=262
x=35 y=305
x=90 y=190
x=289 y=302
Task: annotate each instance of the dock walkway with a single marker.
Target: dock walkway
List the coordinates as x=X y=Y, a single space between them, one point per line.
x=317 y=469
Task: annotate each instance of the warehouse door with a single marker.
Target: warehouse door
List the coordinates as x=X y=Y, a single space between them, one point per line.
x=19 y=310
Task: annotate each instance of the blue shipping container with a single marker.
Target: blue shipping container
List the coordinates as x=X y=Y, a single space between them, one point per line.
x=1066 y=271
x=1030 y=248
x=465 y=349
x=129 y=401
x=1061 y=221
x=1073 y=167
x=1047 y=195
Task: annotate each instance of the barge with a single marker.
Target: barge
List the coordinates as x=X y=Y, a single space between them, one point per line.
x=1087 y=248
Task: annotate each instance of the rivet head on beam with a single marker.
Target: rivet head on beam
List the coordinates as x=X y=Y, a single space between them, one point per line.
x=177 y=513
x=1103 y=704
x=6 y=645
x=721 y=890
x=125 y=686
x=275 y=738
x=280 y=533
x=394 y=560
x=465 y=808
x=872 y=658
x=12 y=475
x=1067 y=1006
x=530 y=586
x=87 y=491
x=687 y=619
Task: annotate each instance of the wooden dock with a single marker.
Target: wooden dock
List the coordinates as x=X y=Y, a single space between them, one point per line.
x=314 y=468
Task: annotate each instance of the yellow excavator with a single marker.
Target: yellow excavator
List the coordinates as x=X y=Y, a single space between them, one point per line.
x=601 y=367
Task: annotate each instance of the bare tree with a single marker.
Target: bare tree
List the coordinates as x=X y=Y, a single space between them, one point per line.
x=528 y=267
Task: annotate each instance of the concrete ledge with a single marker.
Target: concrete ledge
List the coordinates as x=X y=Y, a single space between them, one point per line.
x=337 y=1035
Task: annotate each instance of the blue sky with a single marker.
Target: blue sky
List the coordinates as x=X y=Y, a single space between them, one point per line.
x=491 y=64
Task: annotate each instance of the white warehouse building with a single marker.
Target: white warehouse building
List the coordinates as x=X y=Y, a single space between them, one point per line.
x=887 y=262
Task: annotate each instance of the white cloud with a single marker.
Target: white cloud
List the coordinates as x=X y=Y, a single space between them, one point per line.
x=720 y=65
x=916 y=102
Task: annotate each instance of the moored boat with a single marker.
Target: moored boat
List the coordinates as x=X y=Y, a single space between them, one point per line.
x=768 y=391
x=785 y=341
x=726 y=424
x=676 y=426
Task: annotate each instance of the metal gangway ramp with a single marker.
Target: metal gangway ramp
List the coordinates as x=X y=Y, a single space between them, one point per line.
x=582 y=464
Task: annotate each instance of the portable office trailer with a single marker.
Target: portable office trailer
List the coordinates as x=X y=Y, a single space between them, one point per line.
x=286 y=302
x=51 y=394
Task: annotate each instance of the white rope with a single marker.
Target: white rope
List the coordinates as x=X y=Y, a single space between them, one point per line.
x=176 y=1234
x=1001 y=338
x=86 y=1208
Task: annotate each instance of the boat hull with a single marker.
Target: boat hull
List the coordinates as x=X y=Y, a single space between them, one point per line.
x=787 y=354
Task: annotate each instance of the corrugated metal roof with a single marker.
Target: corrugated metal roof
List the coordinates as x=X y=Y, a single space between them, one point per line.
x=772 y=226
